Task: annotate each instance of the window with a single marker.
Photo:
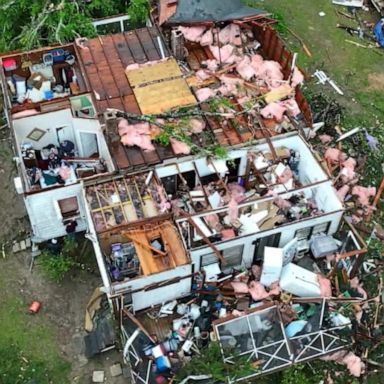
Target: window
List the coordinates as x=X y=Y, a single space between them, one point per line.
x=307 y=233
x=233 y=257
x=67 y=208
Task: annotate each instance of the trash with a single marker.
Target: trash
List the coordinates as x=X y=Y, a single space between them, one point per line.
x=299 y=281
x=323 y=78
x=34 y=307
x=294 y=327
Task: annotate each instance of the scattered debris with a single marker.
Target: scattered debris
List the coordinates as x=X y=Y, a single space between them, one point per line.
x=323 y=78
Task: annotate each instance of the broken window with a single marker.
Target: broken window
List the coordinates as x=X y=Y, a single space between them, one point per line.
x=233 y=257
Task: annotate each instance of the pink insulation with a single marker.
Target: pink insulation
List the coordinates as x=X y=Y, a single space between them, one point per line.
x=257 y=63
x=342 y=192
x=291 y=106
x=334 y=155
x=354 y=364
x=245 y=69
x=179 y=147
x=354 y=283
x=273 y=111
x=202 y=75
x=363 y=194
x=206 y=93
x=325 y=139
x=270 y=73
x=230 y=35
x=135 y=134
x=197 y=125
x=238 y=313
x=27 y=112
x=65 y=172
x=131 y=67
x=164 y=204
x=207 y=38
x=297 y=78
x=350 y=163
x=347 y=174
x=325 y=286
x=233 y=210
x=213 y=221
x=192 y=33
x=274 y=289
x=211 y=64
x=239 y=287
x=257 y=291
x=223 y=54
x=285 y=176
x=236 y=192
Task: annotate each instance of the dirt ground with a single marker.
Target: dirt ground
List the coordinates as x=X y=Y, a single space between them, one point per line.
x=63 y=305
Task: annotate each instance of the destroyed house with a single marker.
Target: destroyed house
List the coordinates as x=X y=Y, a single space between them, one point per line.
x=57 y=136
x=189 y=241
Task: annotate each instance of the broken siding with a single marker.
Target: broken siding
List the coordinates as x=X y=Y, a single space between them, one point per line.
x=44 y=216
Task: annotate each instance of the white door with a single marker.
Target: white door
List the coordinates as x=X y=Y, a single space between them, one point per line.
x=88 y=144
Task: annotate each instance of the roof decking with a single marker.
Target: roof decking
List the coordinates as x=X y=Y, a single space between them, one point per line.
x=105 y=59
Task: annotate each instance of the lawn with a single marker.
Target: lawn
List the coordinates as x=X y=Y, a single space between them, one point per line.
x=29 y=352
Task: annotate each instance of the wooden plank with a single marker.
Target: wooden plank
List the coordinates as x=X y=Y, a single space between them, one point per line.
x=151 y=72
x=160 y=97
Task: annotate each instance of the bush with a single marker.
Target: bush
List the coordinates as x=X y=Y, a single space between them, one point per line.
x=56 y=266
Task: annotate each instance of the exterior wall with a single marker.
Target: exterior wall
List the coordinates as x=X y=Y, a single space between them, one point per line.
x=44 y=217
x=146 y=298
x=287 y=234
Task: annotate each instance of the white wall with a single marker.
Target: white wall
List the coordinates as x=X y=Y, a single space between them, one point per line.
x=47 y=122
x=45 y=221
x=287 y=234
x=93 y=126
x=145 y=299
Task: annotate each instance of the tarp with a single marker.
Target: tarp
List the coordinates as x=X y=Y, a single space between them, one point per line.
x=200 y=11
x=378 y=32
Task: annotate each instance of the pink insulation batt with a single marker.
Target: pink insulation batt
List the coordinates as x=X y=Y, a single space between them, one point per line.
x=334 y=155
x=363 y=194
x=207 y=38
x=136 y=134
x=297 y=78
x=224 y=54
x=273 y=111
x=206 y=93
x=342 y=192
x=192 y=33
x=245 y=69
x=179 y=147
x=197 y=125
x=257 y=291
x=230 y=35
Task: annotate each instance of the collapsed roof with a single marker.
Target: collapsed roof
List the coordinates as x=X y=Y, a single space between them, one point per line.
x=197 y=11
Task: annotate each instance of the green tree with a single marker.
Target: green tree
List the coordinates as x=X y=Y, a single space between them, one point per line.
x=26 y=24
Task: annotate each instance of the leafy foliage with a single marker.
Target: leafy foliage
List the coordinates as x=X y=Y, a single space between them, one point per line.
x=138 y=11
x=210 y=362
x=56 y=266
x=26 y=24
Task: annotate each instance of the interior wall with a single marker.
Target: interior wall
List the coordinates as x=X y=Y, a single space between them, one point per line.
x=47 y=122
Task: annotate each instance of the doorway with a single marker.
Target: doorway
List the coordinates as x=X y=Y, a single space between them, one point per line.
x=88 y=145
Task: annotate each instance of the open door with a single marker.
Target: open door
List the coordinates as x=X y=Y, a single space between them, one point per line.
x=88 y=145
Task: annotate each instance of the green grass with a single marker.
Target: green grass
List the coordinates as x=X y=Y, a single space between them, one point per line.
x=31 y=337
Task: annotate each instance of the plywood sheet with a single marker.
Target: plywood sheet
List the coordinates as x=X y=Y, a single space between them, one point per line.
x=160 y=97
x=153 y=71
